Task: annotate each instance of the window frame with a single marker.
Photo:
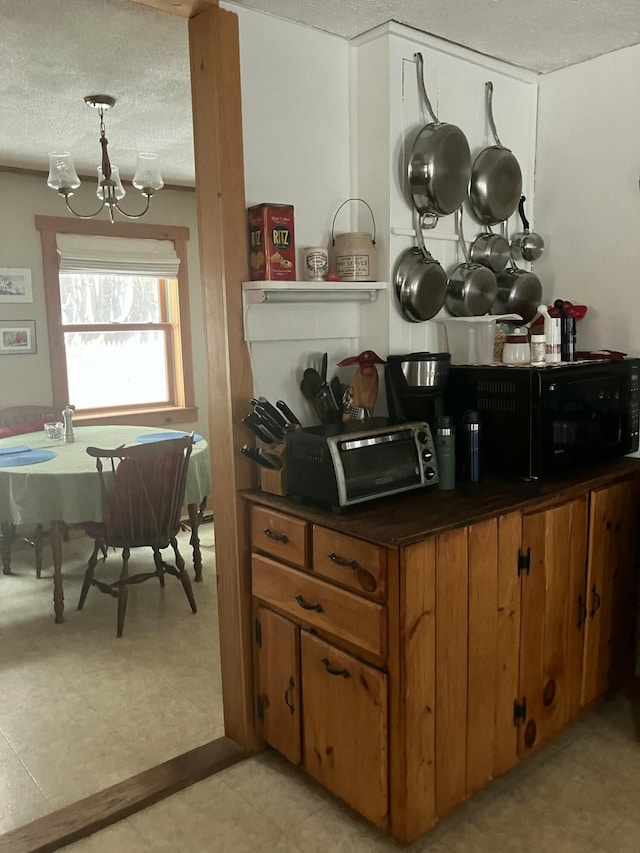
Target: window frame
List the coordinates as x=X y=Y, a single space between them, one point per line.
x=179 y=360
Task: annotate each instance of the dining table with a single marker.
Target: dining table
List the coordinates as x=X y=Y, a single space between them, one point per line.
x=55 y=483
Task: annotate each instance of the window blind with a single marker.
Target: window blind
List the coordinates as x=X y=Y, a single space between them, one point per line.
x=79 y=253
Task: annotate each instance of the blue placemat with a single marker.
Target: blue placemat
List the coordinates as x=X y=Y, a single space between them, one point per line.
x=164 y=436
x=30 y=457
x=15 y=448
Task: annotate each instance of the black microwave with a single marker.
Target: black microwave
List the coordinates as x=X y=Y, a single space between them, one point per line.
x=349 y=463
x=536 y=421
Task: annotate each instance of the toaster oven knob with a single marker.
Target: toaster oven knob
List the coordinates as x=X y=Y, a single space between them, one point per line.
x=427 y=455
x=429 y=473
x=422 y=437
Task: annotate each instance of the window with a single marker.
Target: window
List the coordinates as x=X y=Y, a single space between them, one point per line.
x=118 y=320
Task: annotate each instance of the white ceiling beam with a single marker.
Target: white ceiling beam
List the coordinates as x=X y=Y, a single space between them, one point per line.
x=182 y=8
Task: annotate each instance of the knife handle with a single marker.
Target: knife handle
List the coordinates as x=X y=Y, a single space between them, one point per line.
x=286 y=411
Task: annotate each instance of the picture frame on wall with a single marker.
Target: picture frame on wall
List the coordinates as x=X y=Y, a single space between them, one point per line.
x=17 y=337
x=15 y=285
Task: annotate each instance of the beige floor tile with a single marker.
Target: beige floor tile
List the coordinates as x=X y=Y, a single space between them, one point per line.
x=120 y=837
x=20 y=798
x=275 y=788
x=227 y=823
x=624 y=838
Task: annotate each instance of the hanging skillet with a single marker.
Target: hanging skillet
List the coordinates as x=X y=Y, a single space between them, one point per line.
x=496 y=179
x=472 y=287
x=421 y=283
x=440 y=163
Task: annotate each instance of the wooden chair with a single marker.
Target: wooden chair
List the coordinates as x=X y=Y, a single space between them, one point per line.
x=142 y=490
x=19 y=420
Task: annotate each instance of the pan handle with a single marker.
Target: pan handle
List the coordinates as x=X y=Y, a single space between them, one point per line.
x=417 y=224
x=488 y=86
x=460 y=234
x=525 y=221
x=422 y=88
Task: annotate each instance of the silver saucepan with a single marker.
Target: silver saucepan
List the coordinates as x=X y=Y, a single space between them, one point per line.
x=472 y=288
x=439 y=166
x=496 y=178
x=526 y=245
x=519 y=292
x=491 y=250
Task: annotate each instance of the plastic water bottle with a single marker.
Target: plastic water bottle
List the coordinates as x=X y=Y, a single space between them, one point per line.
x=445 y=452
x=67 y=417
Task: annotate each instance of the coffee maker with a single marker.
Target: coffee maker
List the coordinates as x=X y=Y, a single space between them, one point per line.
x=415 y=384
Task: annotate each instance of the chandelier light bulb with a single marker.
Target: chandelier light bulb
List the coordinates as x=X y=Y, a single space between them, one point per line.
x=62 y=173
x=119 y=190
x=147 y=178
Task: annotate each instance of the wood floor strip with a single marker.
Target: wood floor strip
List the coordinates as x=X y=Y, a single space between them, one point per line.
x=100 y=810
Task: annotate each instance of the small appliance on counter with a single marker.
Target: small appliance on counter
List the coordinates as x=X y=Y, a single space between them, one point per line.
x=356 y=461
x=537 y=421
x=415 y=384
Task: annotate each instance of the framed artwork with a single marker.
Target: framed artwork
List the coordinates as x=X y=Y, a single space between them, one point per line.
x=17 y=337
x=15 y=285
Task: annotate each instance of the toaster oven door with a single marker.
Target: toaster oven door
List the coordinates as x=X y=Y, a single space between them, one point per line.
x=377 y=465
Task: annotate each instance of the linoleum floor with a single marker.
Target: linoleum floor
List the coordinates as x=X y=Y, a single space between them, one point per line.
x=81 y=709
x=579 y=794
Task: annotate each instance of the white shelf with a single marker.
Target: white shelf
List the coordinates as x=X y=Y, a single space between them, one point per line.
x=311 y=291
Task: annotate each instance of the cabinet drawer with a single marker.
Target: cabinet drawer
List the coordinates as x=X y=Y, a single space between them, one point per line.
x=280 y=535
x=346 y=616
x=351 y=562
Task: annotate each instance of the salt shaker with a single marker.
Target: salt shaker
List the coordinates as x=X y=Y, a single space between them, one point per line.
x=67 y=417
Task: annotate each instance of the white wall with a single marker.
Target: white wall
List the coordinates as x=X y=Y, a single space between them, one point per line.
x=587 y=197
x=26 y=379
x=295 y=111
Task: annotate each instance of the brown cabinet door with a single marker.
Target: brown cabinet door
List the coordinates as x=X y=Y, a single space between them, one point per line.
x=610 y=595
x=552 y=608
x=345 y=727
x=278 y=682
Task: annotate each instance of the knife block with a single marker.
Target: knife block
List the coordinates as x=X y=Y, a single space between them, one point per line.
x=272 y=481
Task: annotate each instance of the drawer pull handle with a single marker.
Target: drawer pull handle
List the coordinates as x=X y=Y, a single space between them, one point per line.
x=343 y=672
x=306 y=605
x=340 y=561
x=597 y=601
x=278 y=537
x=288 y=696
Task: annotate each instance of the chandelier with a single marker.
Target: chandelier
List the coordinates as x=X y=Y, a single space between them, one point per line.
x=64 y=178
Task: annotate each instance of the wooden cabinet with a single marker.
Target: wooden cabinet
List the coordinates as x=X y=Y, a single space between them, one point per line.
x=319 y=701
x=405 y=678
x=552 y=571
x=610 y=596
x=345 y=727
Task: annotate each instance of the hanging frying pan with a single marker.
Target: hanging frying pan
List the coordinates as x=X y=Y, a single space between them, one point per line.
x=519 y=292
x=440 y=163
x=496 y=179
x=420 y=281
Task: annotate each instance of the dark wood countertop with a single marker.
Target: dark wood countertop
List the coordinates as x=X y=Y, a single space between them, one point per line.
x=410 y=517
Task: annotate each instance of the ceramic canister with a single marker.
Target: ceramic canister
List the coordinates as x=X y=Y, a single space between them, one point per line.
x=355 y=256
x=315 y=263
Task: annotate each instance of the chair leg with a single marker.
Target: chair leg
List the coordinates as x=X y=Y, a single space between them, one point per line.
x=8 y=531
x=157 y=559
x=38 y=537
x=88 y=575
x=183 y=576
x=123 y=590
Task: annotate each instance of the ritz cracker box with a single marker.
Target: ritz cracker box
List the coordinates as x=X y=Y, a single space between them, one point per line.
x=272 y=250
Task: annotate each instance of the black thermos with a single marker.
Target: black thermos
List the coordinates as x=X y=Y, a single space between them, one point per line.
x=567 y=332
x=470 y=462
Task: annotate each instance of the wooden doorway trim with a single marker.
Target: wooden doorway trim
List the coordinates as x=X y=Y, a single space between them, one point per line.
x=217 y=129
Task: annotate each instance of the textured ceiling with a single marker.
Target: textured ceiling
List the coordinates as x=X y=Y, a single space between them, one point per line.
x=54 y=52
x=542 y=35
